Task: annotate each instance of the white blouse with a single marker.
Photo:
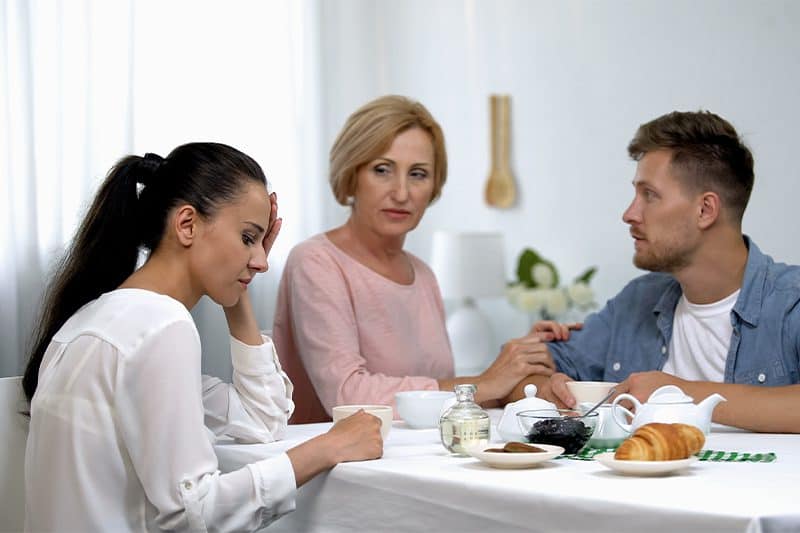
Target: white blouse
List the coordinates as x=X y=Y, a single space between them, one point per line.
x=117 y=436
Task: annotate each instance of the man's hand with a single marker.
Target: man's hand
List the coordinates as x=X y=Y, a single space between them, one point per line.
x=550 y=330
x=555 y=390
x=642 y=384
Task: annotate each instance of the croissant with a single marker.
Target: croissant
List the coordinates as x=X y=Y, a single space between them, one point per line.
x=694 y=437
x=661 y=442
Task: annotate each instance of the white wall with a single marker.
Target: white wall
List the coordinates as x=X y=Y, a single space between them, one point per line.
x=241 y=73
x=582 y=75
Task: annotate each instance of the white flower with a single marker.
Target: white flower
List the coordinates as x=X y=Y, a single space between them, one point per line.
x=543 y=275
x=531 y=300
x=555 y=301
x=581 y=294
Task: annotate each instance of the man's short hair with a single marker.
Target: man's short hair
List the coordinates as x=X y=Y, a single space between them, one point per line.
x=707 y=155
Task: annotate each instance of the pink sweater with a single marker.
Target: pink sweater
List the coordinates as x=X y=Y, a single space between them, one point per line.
x=347 y=335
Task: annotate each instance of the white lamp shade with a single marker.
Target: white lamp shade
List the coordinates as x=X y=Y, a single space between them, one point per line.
x=469 y=265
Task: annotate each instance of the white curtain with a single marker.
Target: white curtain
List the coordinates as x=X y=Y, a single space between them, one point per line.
x=65 y=116
x=85 y=82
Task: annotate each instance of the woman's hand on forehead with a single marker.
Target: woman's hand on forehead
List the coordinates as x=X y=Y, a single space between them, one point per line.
x=275 y=223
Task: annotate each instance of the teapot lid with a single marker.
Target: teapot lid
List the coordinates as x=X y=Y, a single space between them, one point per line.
x=530 y=401
x=669 y=394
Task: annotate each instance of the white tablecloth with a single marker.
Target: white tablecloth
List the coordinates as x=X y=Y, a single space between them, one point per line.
x=418 y=486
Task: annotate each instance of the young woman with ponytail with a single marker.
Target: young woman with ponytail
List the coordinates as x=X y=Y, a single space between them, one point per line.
x=122 y=422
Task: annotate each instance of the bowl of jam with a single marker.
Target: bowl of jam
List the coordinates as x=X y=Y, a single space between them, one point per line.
x=567 y=428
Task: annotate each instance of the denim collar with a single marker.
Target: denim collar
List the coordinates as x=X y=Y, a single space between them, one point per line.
x=748 y=304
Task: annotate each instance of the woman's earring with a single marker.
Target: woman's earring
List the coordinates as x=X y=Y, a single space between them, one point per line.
x=351 y=201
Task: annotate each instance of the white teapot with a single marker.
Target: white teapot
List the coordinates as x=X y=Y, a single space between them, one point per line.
x=508 y=426
x=668 y=404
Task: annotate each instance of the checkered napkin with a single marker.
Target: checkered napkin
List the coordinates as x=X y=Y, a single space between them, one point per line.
x=588 y=454
x=737 y=457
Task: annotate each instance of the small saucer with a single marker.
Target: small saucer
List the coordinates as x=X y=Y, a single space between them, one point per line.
x=643 y=468
x=515 y=460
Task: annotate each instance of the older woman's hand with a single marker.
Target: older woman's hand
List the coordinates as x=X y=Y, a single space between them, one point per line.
x=518 y=359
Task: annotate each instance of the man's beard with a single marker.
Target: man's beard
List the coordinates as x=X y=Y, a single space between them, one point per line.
x=669 y=260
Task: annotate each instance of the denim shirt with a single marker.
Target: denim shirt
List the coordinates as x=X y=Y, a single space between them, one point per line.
x=632 y=332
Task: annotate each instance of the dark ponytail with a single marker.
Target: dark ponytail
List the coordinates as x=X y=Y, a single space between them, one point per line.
x=130 y=211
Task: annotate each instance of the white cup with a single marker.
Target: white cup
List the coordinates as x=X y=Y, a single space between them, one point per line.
x=589 y=391
x=607 y=434
x=384 y=412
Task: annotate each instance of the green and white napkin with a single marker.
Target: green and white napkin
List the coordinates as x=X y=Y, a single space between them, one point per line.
x=737 y=457
x=588 y=454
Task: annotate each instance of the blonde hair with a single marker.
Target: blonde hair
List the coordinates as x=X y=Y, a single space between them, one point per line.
x=370 y=131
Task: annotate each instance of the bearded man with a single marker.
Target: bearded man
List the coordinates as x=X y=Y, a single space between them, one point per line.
x=715 y=314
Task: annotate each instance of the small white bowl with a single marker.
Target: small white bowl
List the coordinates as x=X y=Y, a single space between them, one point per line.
x=384 y=412
x=421 y=408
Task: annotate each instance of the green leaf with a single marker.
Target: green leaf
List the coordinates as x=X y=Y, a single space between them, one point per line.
x=527 y=259
x=587 y=276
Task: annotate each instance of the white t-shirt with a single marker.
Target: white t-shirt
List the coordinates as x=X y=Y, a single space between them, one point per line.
x=701 y=337
x=117 y=436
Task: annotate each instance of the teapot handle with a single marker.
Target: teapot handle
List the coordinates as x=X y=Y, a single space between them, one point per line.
x=616 y=408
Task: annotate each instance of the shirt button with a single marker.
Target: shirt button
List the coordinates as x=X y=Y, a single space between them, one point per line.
x=762 y=378
x=187 y=485
x=663 y=349
x=616 y=366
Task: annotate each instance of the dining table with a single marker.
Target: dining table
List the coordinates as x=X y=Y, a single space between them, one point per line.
x=417 y=485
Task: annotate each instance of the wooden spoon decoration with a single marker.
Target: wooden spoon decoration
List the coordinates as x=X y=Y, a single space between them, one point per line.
x=500 y=189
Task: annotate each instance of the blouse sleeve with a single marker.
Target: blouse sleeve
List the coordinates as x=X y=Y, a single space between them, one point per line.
x=325 y=330
x=159 y=405
x=256 y=407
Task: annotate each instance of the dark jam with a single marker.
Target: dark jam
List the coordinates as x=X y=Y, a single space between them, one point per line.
x=569 y=433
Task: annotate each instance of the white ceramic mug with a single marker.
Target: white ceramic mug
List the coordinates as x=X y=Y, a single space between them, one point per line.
x=384 y=412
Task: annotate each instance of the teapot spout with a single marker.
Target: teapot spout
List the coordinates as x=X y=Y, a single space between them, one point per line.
x=707 y=406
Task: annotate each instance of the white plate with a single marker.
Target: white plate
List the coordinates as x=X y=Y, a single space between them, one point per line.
x=514 y=460
x=643 y=468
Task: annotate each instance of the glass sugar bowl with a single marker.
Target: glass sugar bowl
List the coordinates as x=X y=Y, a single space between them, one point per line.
x=465 y=424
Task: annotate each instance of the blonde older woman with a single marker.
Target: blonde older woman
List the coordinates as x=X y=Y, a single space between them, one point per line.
x=358 y=318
